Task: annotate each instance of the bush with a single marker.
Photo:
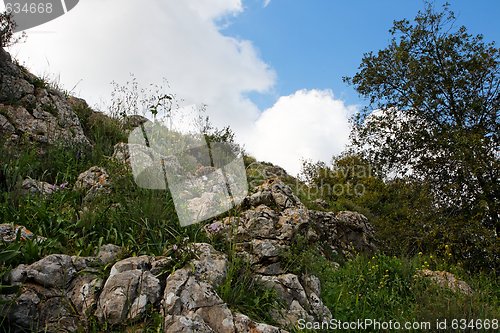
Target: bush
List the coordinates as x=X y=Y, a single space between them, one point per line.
x=404 y=212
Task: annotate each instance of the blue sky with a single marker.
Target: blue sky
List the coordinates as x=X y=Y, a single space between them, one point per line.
x=312 y=44
x=272 y=72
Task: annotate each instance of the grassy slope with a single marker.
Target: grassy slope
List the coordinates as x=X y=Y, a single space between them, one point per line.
x=144 y=222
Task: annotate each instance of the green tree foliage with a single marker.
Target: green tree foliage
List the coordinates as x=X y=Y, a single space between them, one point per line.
x=437 y=91
x=403 y=211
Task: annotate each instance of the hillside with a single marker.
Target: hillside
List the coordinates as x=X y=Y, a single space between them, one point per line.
x=84 y=249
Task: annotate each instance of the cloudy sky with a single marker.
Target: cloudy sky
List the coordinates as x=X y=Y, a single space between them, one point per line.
x=271 y=69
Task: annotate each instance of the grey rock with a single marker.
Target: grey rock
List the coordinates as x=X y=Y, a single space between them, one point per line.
x=218 y=317
x=189 y=323
x=32 y=186
x=283 y=195
x=92 y=177
x=126 y=294
x=345 y=231
x=6 y=126
x=243 y=324
x=446 y=280
x=94 y=182
x=85 y=293
x=109 y=253
x=141 y=263
x=210 y=265
x=301 y=302
x=34 y=110
x=53 y=271
x=8 y=233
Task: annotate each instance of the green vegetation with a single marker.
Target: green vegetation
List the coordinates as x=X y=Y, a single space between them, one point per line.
x=388 y=288
x=7 y=27
x=437 y=89
x=246 y=295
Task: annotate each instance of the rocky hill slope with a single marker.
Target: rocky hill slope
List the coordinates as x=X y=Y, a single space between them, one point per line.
x=62 y=292
x=30 y=110
x=195 y=281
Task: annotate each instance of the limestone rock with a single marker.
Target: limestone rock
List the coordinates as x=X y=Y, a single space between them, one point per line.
x=210 y=265
x=8 y=233
x=243 y=324
x=33 y=186
x=42 y=305
x=141 y=263
x=129 y=288
x=301 y=298
x=30 y=108
x=184 y=295
x=109 y=253
x=344 y=231
x=53 y=271
x=85 y=293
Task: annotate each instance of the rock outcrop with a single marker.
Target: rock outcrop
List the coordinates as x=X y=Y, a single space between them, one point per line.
x=93 y=182
x=32 y=111
x=272 y=218
x=63 y=292
x=446 y=280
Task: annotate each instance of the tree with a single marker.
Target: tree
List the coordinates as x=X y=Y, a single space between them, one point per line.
x=437 y=91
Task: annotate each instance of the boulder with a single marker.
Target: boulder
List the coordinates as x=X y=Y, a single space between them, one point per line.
x=30 y=108
x=131 y=287
x=53 y=271
x=343 y=232
x=446 y=280
x=42 y=303
x=33 y=186
x=125 y=296
x=191 y=304
x=109 y=253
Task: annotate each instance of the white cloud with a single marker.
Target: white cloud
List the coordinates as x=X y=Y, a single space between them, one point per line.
x=309 y=124
x=99 y=41
x=266 y=3
x=213 y=9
